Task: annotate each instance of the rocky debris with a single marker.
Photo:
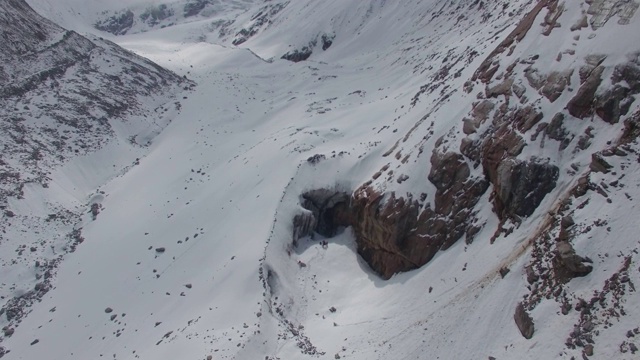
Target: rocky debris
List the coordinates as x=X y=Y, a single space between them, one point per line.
x=108 y=310
x=524 y=322
x=16 y=308
x=567 y=264
x=605 y=307
x=117 y=24
x=532 y=277
x=588 y=350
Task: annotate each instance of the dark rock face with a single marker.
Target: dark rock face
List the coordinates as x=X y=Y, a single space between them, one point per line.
x=155 y=14
x=524 y=322
x=556 y=131
x=521 y=186
x=382 y=232
x=567 y=264
x=457 y=193
x=193 y=8
x=329 y=209
x=599 y=164
x=612 y=103
x=581 y=105
x=616 y=101
x=392 y=233
x=298 y=55
x=117 y=24
x=327 y=41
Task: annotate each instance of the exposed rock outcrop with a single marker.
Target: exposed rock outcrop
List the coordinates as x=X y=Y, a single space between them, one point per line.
x=330 y=210
x=524 y=322
x=399 y=233
x=298 y=55
x=567 y=264
x=194 y=7
x=117 y=24
x=521 y=185
x=603 y=10
x=396 y=234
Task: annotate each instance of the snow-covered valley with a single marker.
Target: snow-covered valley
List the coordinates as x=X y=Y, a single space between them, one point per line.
x=202 y=236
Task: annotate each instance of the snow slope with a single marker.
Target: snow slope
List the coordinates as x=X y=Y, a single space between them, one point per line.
x=191 y=254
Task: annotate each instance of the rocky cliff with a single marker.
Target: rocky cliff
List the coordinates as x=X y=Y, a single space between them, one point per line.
x=535 y=120
x=399 y=233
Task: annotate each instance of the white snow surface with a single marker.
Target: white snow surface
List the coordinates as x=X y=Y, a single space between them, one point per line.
x=219 y=187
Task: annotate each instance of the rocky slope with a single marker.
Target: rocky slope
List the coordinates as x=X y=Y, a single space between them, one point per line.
x=539 y=137
x=62 y=96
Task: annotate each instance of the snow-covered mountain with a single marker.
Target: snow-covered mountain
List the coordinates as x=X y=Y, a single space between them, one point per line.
x=347 y=180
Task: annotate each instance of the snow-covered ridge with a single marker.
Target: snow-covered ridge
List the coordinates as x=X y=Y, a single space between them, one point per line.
x=63 y=96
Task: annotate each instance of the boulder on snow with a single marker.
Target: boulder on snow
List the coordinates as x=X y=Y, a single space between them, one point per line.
x=524 y=322
x=598 y=164
x=567 y=264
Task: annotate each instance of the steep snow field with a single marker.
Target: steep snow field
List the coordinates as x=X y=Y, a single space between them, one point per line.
x=191 y=255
